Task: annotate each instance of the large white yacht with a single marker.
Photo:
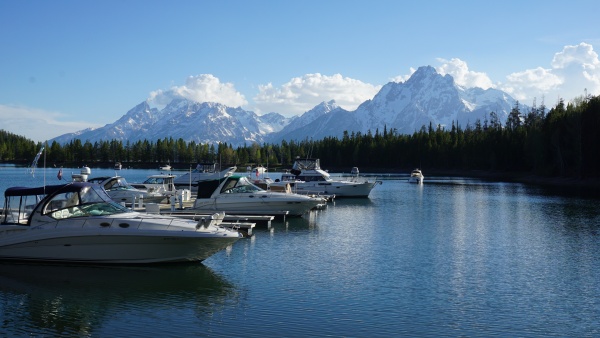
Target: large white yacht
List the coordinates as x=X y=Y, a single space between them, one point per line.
x=237 y=195
x=307 y=177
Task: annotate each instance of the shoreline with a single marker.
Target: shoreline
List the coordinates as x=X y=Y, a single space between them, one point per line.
x=589 y=187
x=580 y=186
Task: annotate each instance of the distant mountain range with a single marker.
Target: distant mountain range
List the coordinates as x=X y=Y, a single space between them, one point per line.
x=426 y=97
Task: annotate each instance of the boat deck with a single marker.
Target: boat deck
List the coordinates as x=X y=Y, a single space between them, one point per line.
x=243 y=223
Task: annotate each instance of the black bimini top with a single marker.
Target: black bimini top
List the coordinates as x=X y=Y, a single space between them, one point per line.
x=49 y=189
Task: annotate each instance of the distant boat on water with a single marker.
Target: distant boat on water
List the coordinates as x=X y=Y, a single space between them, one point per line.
x=416 y=176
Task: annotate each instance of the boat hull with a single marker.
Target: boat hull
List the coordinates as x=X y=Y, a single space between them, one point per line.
x=78 y=223
x=258 y=205
x=337 y=188
x=111 y=246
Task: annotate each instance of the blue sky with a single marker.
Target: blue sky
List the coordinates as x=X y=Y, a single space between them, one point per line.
x=69 y=65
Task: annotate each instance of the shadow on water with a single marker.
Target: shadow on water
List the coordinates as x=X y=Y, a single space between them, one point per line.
x=351 y=201
x=71 y=299
x=298 y=224
x=311 y=220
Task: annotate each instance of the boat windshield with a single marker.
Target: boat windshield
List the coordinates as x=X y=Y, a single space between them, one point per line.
x=307 y=164
x=118 y=184
x=236 y=185
x=158 y=180
x=89 y=201
x=312 y=178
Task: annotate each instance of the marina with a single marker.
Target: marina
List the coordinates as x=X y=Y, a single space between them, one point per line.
x=456 y=256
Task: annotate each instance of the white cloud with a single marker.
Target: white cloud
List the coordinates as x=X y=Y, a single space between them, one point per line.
x=459 y=70
x=201 y=88
x=573 y=70
x=582 y=54
x=531 y=83
x=301 y=94
x=37 y=124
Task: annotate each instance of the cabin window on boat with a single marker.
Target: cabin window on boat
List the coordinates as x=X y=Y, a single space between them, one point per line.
x=154 y=180
x=18 y=208
x=57 y=206
x=311 y=178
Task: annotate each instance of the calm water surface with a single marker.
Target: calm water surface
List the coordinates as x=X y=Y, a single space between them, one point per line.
x=453 y=257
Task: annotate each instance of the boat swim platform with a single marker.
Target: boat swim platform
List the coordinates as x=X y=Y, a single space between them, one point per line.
x=244 y=225
x=186 y=209
x=231 y=218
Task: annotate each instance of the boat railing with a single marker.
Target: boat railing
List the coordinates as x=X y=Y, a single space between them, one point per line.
x=134 y=223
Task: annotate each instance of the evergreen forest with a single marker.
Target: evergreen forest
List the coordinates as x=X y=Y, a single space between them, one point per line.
x=563 y=141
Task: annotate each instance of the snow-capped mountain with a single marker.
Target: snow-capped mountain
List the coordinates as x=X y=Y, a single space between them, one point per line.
x=205 y=122
x=316 y=123
x=136 y=121
x=426 y=97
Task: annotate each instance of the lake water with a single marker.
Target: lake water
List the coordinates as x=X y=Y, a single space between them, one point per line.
x=452 y=257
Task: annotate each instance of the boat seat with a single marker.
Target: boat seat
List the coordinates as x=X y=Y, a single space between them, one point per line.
x=215 y=219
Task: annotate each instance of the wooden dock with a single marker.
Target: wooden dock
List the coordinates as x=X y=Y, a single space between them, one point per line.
x=244 y=223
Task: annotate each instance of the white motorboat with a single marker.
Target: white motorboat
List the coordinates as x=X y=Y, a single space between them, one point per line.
x=79 y=222
x=236 y=195
x=163 y=183
x=166 y=167
x=203 y=172
x=120 y=191
x=307 y=177
x=256 y=171
x=118 y=166
x=416 y=176
x=258 y=176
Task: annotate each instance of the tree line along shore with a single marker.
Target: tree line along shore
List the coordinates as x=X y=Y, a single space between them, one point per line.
x=558 y=146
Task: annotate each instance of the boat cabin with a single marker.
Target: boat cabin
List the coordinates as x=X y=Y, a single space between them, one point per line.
x=57 y=201
x=228 y=185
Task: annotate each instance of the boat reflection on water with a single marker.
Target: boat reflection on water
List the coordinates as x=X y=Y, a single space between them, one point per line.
x=309 y=221
x=58 y=300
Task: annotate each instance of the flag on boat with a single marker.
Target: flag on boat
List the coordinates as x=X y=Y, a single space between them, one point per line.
x=35 y=161
x=59 y=175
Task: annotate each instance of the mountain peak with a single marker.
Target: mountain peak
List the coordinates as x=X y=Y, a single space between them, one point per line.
x=425 y=71
x=427 y=75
